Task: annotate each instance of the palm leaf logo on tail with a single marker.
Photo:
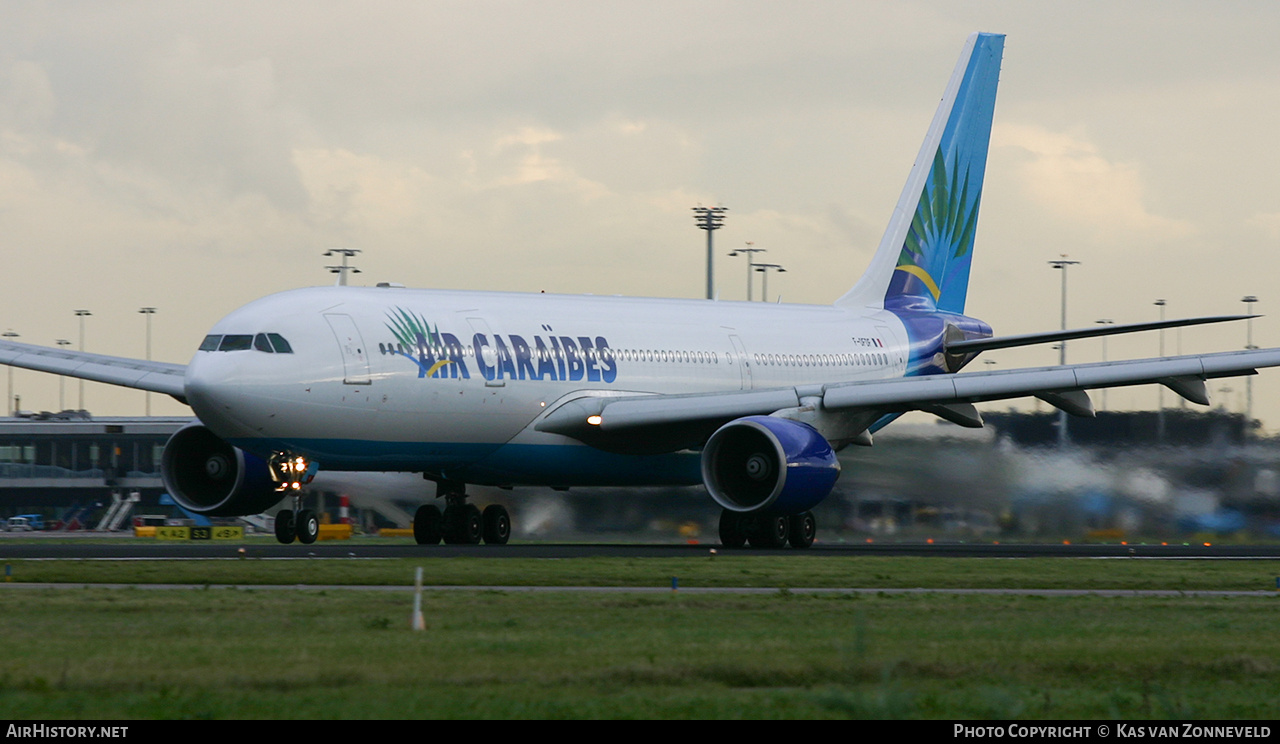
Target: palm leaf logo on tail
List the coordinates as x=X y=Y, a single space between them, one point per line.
x=938 y=247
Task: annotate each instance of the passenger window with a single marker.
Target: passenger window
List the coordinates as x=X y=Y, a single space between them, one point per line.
x=261 y=343
x=210 y=342
x=282 y=346
x=236 y=343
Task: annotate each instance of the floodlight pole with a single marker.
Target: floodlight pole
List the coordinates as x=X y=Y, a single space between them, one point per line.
x=1160 y=388
x=344 y=269
x=1062 y=264
x=765 y=269
x=82 y=314
x=710 y=219
x=1248 y=300
x=62 y=380
x=9 y=401
x=1104 y=321
x=148 y=311
x=750 y=249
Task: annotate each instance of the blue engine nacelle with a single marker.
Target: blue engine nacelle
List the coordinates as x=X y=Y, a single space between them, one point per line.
x=205 y=475
x=770 y=465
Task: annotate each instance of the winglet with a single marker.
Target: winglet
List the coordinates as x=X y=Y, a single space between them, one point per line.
x=923 y=259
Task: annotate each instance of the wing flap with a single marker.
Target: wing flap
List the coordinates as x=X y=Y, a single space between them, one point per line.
x=158 y=377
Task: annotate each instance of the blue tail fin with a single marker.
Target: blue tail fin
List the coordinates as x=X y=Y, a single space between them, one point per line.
x=923 y=259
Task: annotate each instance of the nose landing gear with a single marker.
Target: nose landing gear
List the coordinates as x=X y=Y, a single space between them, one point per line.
x=297 y=524
x=290 y=472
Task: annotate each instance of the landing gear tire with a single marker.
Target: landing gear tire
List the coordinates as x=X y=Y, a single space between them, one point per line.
x=497 y=525
x=308 y=526
x=428 y=525
x=473 y=525
x=803 y=529
x=285 y=529
x=733 y=533
x=463 y=525
x=770 y=532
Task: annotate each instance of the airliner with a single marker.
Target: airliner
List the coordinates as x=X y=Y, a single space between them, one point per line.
x=749 y=400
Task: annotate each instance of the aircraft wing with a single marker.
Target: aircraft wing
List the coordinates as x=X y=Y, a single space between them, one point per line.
x=158 y=377
x=947 y=395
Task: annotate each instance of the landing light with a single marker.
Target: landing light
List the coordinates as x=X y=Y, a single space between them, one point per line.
x=593 y=420
x=291 y=471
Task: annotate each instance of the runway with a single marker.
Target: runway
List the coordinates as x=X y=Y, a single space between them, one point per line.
x=138 y=549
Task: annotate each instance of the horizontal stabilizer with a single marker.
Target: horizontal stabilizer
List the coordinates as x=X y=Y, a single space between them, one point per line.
x=973 y=346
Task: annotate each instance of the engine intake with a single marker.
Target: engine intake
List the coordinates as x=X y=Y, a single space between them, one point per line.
x=768 y=464
x=205 y=475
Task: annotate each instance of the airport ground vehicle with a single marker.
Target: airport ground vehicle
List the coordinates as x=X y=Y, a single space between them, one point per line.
x=25 y=523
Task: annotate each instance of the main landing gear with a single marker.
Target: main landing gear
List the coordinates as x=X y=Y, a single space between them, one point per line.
x=767 y=530
x=461 y=523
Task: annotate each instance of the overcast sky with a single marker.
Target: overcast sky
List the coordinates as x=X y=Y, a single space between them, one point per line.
x=194 y=157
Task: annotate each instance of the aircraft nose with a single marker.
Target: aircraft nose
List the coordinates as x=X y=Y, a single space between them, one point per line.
x=213 y=391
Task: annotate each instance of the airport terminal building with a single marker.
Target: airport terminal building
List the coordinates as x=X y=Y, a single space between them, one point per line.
x=55 y=462
x=1197 y=470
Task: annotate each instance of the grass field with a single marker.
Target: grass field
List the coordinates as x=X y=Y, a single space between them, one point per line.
x=738 y=568
x=310 y=653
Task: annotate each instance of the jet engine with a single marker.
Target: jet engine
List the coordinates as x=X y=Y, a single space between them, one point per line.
x=768 y=465
x=205 y=475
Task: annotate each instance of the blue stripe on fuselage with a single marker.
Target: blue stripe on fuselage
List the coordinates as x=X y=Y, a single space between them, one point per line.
x=492 y=464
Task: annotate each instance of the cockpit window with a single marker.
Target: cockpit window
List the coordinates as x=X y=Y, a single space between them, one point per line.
x=282 y=346
x=236 y=342
x=271 y=343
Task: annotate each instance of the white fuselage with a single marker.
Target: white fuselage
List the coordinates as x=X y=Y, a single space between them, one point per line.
x=449 y=383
